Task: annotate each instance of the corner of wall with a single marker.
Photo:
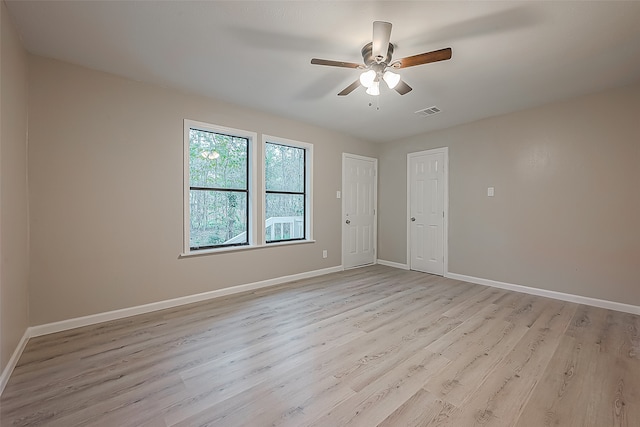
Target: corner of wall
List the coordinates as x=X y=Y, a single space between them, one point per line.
x=14 y=270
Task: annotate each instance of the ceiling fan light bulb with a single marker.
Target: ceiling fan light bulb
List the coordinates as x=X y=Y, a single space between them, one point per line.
x=367 y=78
x=392 y=79
x=374 y=89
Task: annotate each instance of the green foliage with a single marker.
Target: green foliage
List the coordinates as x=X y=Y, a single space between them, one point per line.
x=216 y=217
x=284 y=171
x=284 y=168
x=218 y=164
x=227 y=168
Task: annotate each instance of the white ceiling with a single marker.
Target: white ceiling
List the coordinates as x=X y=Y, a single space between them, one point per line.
x=507 y=56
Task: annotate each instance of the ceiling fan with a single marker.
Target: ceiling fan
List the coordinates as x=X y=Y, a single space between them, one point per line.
x=377 y=63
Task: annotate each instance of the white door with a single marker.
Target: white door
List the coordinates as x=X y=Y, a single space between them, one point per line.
x=427 y=193
x=359 y=195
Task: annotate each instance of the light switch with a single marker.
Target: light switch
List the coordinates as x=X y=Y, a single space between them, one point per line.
x=490 y=191
x=338 y=194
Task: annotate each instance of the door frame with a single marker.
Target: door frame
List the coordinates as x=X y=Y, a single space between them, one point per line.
x=445 y=223
x=375 y=207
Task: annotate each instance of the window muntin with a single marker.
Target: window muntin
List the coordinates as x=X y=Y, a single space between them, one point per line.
x=207 y=197
x=285 y=192
x=218 y=189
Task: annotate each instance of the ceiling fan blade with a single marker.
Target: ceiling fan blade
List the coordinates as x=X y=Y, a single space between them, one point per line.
x=347 y=90
x=381 y=36
x=327 y=62
x=425 y=58
x=402 y=88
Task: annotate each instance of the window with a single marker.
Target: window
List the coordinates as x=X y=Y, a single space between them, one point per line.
x=287 y=190
x=222 y=196
x=218 y=209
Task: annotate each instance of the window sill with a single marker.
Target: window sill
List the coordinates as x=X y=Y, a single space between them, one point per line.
x=205 y=252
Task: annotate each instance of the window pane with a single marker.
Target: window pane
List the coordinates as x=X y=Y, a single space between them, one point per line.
x=217 y=160
x=218 y=218
x=285 y=217
x=284 y=168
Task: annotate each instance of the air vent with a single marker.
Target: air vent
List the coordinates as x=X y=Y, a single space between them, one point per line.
x=428 y=111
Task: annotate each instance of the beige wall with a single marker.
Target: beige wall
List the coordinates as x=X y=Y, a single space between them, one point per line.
x=105 y=176
x=13 y=191
x=105 y=173
x=567 y=196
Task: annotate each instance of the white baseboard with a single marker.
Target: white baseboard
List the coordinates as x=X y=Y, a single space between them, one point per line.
x=13 y=361
x=50 y=328
x=393 y=264
x=64 y=325
x=611 y=305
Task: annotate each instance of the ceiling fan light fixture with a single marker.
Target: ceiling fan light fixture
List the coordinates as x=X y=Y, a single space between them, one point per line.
x=378 y=62
x=374 y=89
x=210 y=155
x=367 y=78
x=392 y=79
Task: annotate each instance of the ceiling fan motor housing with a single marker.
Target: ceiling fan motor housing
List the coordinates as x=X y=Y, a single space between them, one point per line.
x=378 y=66
x=367 y=55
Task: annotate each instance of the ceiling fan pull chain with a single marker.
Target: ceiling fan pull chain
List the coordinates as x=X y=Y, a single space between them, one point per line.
x=377 y=100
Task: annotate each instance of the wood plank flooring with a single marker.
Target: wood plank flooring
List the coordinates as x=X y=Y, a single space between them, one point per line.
x=365 y=347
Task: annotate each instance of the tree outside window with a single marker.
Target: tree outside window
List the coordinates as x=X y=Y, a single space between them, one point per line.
x=218 y=189
x=221 y=194
x=285 y=198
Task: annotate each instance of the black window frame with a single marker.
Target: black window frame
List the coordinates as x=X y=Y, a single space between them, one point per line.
x=246 y=190
x=303 y=193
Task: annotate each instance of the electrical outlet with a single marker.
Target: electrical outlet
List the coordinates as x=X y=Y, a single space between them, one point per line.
x=324 y=253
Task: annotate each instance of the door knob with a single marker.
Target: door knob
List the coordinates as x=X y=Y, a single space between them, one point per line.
x=348 y=222
x=413 y=218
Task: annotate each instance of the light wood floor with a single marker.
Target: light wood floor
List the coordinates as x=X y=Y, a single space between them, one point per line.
x=365 y=347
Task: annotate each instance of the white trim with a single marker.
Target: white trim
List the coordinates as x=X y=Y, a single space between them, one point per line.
x=262 y=238
x=375 y=204
x=63 y=325
x=445 y=244
x=393 y=264
x=244 y=248
x=50 y=328
x=357 y=266
x=610 y=305
x=13 y=361
x=445 y=222
x=408 y=211
x=252 y=199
